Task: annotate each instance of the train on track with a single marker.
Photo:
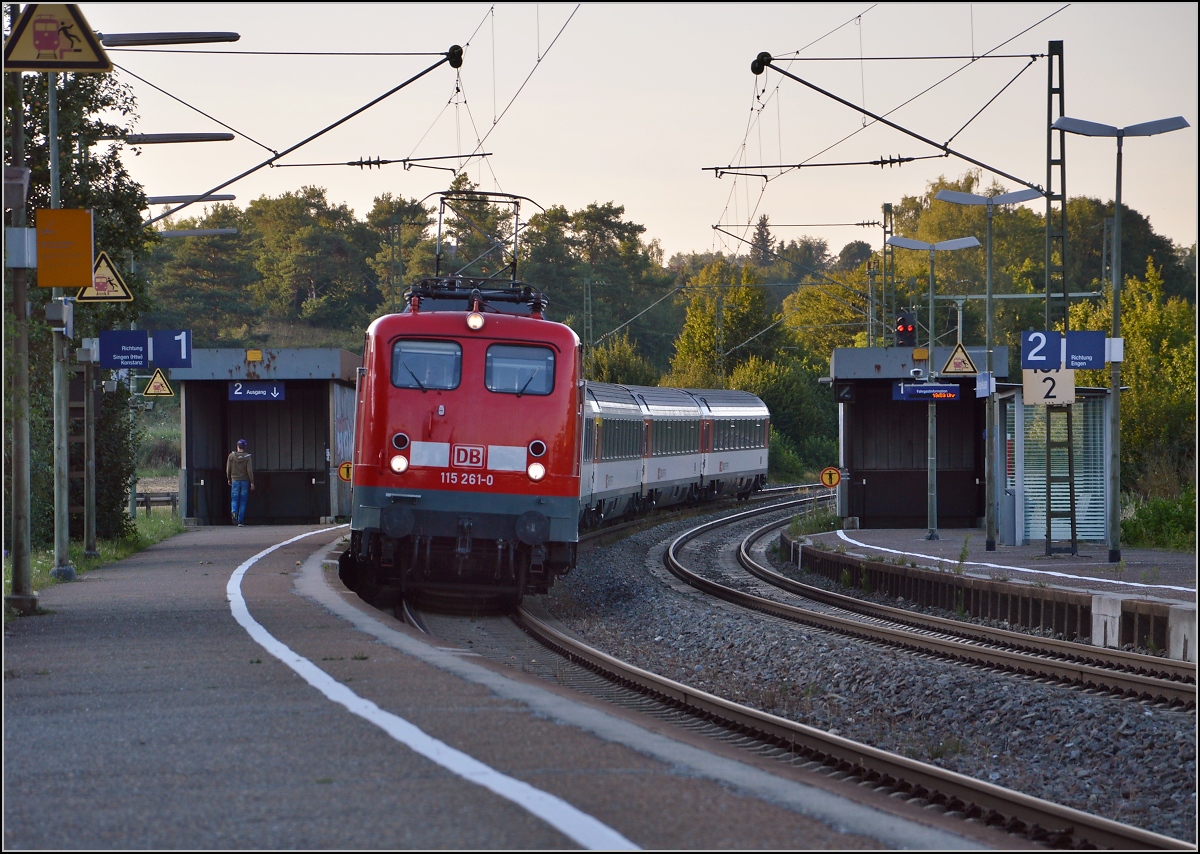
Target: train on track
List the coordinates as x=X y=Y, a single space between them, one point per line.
x=480 y=451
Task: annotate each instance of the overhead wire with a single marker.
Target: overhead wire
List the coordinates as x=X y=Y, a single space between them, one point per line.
x=195 y=108
x=755 y=119
x=270 y=160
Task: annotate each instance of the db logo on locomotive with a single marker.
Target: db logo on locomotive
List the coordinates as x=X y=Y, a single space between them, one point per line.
x=468 y=456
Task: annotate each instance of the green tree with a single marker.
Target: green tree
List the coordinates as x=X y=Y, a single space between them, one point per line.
x=597 y=246
x=762 y=245
x=477 y=234
x=727 y=322
x=853 y=255
x=550 y=262
x=827 y=313
x=802 y=411
x=617 y=360
x=91 y=107
x=312 y=258
x=206 y=284
x=1158 y=412
x=405 y=252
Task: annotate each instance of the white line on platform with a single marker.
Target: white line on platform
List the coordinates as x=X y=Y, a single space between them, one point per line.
x=1005 y=566
x=578 y=826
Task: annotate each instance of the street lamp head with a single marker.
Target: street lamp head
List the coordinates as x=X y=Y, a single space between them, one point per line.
x=151 y=39
x=1083 y=128
x=1157 y=126
x=1012 y=198
x=908 y=243
x=957 y=243
x=1017 y=196
x=959 y=198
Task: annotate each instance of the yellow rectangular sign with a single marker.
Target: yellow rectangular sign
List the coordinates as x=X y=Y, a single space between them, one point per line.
x=64 y=248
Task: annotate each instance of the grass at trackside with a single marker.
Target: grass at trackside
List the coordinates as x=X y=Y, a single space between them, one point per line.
x=151 y=529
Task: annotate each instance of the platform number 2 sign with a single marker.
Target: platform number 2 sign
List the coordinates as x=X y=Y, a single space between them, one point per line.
x=1048 y=388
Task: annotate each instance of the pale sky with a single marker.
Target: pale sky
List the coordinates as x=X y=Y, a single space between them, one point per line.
x=634 y=103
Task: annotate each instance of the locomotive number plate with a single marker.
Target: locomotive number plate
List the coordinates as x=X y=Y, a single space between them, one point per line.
x=467 y=478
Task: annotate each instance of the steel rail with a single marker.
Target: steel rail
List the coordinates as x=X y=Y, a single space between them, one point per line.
x=1127 y=684
x=996 y=806
x=1166 y=669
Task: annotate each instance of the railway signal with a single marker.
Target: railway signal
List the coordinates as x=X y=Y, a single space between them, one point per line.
x=906 y=330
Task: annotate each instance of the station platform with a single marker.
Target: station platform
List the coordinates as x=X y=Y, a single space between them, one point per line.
x=1145 y=603
x=1156 y=574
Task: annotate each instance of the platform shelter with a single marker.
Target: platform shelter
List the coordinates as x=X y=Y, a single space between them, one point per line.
x=883 y=450
x=295 y=409
x=883 y=439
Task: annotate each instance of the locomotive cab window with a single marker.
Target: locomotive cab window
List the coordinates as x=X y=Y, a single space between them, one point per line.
x=426 y=364
x=519 y=370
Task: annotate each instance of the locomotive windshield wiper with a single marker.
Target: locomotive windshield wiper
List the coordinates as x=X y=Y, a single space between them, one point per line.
x=528 y=381
x=414 y=376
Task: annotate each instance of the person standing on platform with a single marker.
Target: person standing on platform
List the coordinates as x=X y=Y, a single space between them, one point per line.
x=239 y=471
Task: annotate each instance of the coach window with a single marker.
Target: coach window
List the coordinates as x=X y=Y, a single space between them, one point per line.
x=519 y=370
x=426 y=364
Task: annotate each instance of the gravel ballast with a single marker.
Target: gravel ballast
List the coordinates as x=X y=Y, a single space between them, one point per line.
x=1114 y=758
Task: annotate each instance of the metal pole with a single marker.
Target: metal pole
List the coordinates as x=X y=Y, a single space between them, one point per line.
x=1114 y=463
x=22 y=596
x=989 y=450
x=133 y=481
x=89 y=470
x=62 y=570
x=870 y=303
x=931 y=441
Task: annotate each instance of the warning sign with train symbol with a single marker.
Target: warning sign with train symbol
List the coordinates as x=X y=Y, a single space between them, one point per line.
x=107 y=284
x=959 y=362
x=54 y=37
x=158 y=385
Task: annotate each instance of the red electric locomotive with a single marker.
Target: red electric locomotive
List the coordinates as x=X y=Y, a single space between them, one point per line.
x=471 y=437
x=466 y=457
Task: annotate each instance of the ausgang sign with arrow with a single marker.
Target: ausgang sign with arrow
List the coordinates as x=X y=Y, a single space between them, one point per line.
x=256 y=390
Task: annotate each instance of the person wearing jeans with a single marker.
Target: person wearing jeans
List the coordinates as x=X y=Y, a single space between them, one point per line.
x=239 y=472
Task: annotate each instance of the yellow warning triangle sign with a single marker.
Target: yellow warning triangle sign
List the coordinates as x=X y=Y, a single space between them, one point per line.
x=959 y=362
x=158 y=387
x=107 y=284
x=54 y=37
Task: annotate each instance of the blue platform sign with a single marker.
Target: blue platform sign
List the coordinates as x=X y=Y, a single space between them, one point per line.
x=1041 y=351
x=1085 y=350
x=124 y=348
x=171 y=348
x=256 y=390
x=924 y=391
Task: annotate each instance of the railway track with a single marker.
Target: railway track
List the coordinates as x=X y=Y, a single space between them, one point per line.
x=1129 y=675
x=567 y=661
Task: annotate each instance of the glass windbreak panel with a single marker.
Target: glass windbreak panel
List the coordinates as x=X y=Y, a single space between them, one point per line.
x=519 y=370
x=426 y=364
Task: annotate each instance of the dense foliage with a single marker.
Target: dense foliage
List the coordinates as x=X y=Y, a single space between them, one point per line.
x=91 y=108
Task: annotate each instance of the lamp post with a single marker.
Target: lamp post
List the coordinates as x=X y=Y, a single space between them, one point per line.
x=931 y=439
x=1083 y=128
x=990 y=433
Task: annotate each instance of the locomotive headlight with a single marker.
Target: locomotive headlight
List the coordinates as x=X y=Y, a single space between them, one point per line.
x=399 y=464
x=475 y=321
x=536 y=471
